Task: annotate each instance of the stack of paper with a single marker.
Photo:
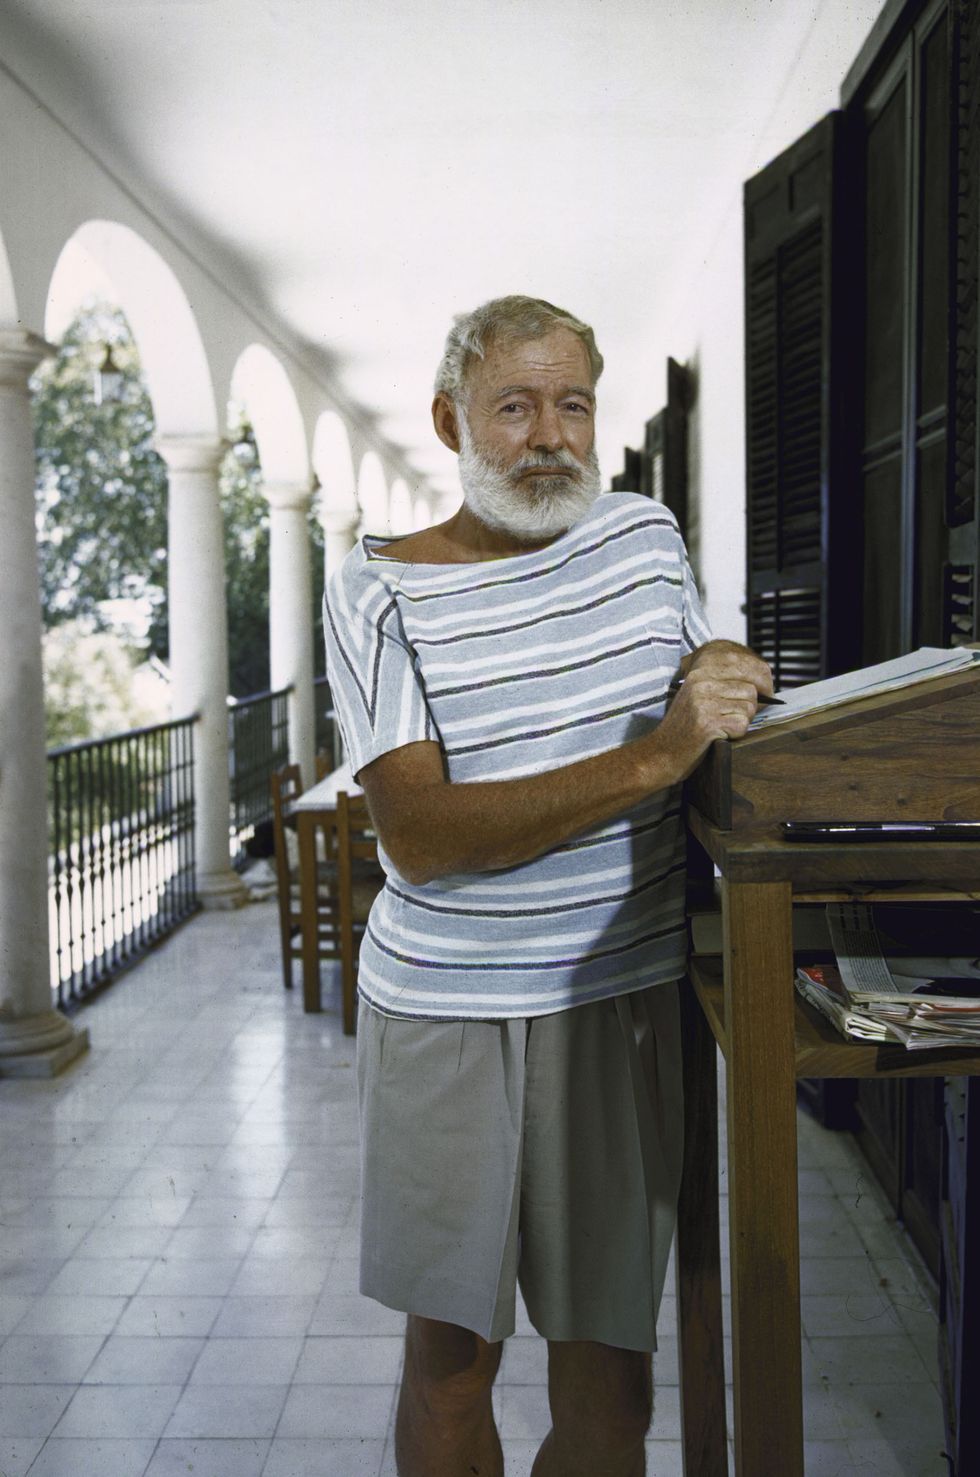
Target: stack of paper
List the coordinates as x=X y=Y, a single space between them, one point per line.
x=916 y=1000
x=904 y=671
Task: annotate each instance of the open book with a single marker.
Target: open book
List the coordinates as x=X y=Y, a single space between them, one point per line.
x=904 y=671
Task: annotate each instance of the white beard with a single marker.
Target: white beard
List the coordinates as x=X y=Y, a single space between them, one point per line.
x=542 y=509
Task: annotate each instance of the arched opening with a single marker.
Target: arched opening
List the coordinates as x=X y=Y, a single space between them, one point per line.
x=267 y=406
x=134 y=355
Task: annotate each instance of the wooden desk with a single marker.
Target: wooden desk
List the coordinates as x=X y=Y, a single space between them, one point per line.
x=315 y=805
x=769 y=1038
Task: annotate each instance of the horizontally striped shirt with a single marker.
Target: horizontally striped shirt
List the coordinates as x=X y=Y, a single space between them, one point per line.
x=516 y=666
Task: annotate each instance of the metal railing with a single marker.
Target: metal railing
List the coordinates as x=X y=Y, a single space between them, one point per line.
x=121 y=850
x=258 y=743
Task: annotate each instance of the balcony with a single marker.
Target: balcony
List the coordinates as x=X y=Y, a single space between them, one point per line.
x=179 y=1284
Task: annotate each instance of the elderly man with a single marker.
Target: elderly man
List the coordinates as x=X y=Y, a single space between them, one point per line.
x=507 y=685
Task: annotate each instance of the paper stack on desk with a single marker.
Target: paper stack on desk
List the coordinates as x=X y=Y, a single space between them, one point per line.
x=904 y=671
x=887 y=988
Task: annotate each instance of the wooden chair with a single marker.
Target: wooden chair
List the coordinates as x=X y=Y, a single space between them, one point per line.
x=286 y=784
x=360 y=879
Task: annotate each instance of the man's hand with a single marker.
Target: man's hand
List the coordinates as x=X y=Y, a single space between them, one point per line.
x=722 y=684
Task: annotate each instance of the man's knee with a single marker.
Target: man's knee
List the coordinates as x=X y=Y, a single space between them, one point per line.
x=452 y=1368
x=600 y=1397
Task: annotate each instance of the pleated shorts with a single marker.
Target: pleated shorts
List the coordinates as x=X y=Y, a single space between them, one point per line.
x=542 y=1152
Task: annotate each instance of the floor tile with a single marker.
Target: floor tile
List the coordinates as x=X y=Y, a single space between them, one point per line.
x=355 y=1361
x=875 y=1360
x=289 y=1457
x=264 y=1317
x=71 y=1457
x=72 y=1316
x=252 y=1361
x=100 y=1277
x=122 y=1411
x=169 y=1317
x=17 y=1453
x=144 y=1361
x=45 y=1359
x=228 y=1410
x=337 y=1410
x=32 y=1410
x=227 y=1457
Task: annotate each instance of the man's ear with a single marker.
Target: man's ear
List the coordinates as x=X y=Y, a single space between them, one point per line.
x=444 y=418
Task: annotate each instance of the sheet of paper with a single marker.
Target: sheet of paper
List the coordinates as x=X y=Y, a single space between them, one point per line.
x=903 y=671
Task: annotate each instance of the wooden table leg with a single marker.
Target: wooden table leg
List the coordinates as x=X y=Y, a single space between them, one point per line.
x=701 y=1353
x=306 y=837
x=762 y=1174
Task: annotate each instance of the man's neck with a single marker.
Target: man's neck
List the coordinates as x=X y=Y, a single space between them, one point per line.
x=474 y=540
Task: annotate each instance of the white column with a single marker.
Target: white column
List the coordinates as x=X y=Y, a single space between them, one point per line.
x=291 y=614
x=198 y=623
x=35 y=1040
x=340 y=526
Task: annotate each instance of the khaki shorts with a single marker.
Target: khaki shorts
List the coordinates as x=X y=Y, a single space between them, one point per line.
x=545 y=1152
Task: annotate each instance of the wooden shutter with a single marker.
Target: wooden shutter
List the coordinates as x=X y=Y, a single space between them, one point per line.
x=665 y=448
x=802 y=598
x=630 y=478
x=961 y=575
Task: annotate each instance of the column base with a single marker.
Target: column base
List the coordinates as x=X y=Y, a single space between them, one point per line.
x=40 y=1046
x=221 y=891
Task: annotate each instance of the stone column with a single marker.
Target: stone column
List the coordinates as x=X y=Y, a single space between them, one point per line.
x=340 y=526
x=291 y=614
x=35 y=1039
x=199 y=650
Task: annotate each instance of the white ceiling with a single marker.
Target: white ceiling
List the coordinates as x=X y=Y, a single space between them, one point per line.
x=376 y=167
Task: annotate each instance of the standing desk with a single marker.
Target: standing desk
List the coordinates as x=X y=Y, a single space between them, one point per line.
x=911 y=754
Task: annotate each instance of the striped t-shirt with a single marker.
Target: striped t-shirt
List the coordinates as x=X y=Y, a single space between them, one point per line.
x=515 y=666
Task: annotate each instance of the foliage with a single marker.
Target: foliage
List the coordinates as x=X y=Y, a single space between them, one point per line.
x=246 y=521
x=95 y=684
x=101 y=488
x=102 y=517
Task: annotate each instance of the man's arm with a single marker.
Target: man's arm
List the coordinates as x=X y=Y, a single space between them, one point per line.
x=432 y=828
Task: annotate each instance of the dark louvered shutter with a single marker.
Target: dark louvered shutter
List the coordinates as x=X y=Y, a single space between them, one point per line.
x=802 y=598
x=961 y=576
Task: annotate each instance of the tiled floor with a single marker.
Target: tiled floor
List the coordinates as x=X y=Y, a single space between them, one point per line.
x=178 y=1257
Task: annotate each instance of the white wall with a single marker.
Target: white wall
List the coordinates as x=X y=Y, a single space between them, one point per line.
x=707 y=330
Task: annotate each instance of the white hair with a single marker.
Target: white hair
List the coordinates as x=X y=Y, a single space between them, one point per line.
x=512 y=318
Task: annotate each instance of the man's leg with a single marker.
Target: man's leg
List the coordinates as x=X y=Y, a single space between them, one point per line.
x=601 y=1403
x=445 y=1426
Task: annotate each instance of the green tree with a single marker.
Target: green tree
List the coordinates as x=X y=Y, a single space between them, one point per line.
x=102 y=507
x=101 y=488
x=246 y=521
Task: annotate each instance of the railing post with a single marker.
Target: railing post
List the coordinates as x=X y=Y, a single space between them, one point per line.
x=35 y=1039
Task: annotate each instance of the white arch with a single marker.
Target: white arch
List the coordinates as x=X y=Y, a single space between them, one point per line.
x=8 y=297
x=262 y=385
x=400 y=519
x=110 y=259
x=372 y=494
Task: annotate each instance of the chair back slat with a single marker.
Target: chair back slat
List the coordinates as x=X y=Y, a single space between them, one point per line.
x=354 y=840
